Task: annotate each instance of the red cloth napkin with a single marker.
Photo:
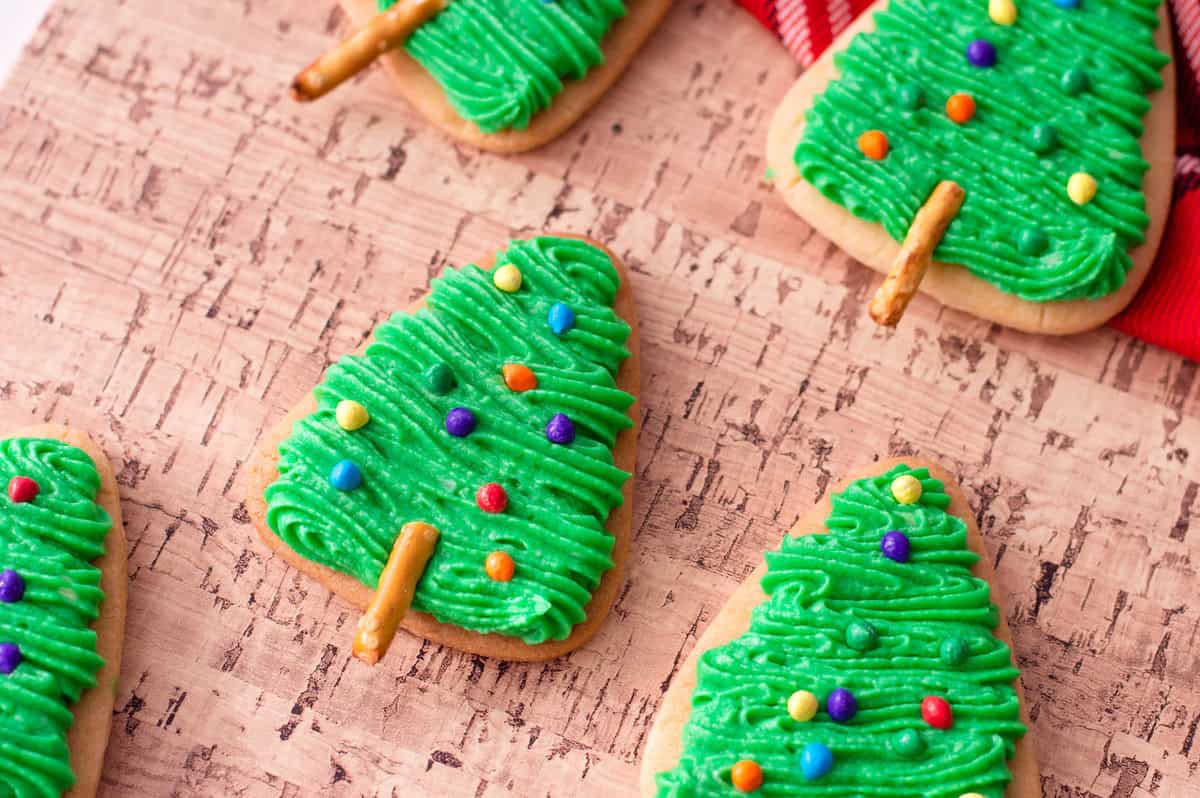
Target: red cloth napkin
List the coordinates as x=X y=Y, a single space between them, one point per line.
x=1166 y=312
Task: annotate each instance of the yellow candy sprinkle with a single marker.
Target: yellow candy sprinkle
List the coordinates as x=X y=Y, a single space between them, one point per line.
x=507 y=278
x=1081 y=188
x=1002 y=12
x=351 y=415
x=906 y=489
x=802 y=706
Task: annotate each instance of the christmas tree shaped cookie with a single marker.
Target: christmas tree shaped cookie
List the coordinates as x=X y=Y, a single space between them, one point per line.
x=1012 y=158
x=473 y=461
x=62 y=610
x=504 y=75
x=867 y=658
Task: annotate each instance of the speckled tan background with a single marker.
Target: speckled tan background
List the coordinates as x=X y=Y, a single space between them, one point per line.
x=182 y=251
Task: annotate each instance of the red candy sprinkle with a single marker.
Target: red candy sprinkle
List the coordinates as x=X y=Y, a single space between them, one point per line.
x=491 y=498
x=22 y=489
x=935 y=711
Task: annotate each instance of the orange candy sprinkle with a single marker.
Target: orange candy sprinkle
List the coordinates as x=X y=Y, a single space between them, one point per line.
x=500 y=566
x=519 y=378
x=747 y=776
x=874 y=144
x=960 y=108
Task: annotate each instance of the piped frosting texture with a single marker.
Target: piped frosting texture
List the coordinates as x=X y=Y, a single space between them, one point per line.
x=870 y=630
x=444 y=423
x=502 y=61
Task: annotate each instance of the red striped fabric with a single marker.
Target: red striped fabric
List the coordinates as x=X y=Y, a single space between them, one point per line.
x=1166 y=312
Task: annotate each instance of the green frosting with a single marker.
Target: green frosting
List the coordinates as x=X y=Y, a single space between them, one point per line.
x=502 y=61
x=1066 y=95
x=840 y=614
x=559 y=496
x=50 y=543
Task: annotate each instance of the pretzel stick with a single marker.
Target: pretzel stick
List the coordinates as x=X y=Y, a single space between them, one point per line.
x=928 y=227
x=394 y=593
x=385 y=32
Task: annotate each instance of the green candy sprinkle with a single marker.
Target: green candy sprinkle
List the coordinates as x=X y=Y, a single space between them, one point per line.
x=440 y=379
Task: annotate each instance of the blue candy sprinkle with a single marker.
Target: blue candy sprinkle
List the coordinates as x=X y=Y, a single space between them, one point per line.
x=345 y=476
x=560 y=318
x=815 y=761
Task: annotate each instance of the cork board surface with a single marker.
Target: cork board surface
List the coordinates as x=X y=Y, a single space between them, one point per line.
x=183 y=251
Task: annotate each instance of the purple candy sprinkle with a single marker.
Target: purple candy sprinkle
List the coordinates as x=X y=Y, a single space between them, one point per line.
x=560 y=429
x=10 y=657
x=841 y=705
x=981 y=53
x=12 y=586
x=895 y=546
x=460 y=422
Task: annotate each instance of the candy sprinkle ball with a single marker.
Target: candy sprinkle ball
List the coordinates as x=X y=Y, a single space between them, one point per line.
x=906 y=489
x=802 y=706
x=861 y=636
x=815 y=761
x=960 y=108
x=500 y=566
x=1042 y=138
x=895 y=546
x=10 y=657
x=1074 y=80
x=507 y=278
x=518 y=378
x=936 y=712
x=351 y=415
x=560 y=429
x=874 y=144
x=746 y=776
x=908 y=743
x=345 y=476
x=22 y=489
x=1031 y=241
x=1081 y=188
x=910 y=96
x=491 y=498
x=460 y=422
x=841 y=705
x=953 y=651
x=1002 y=12
x=560 y=318
x=439 y=379
x=12 y=586
x=981 y=53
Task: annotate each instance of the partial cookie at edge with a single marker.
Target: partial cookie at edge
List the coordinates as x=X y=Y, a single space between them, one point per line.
x=620 y=45
x=664 y=744
x=87 y=738
x=954 y=285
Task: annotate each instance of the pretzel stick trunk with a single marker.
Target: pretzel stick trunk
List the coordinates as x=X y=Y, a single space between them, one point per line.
x=916 y=252
x=394 y=593
x=385 y=32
